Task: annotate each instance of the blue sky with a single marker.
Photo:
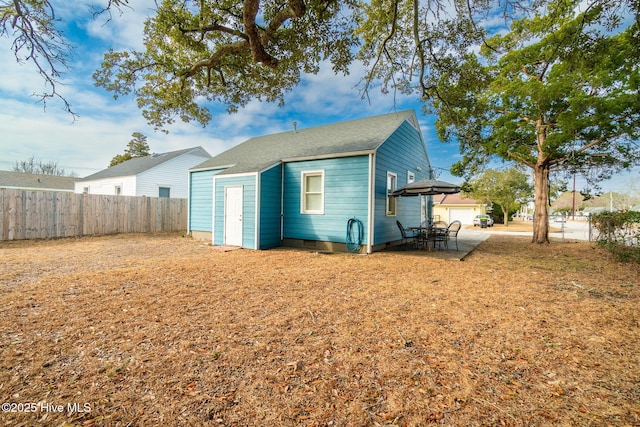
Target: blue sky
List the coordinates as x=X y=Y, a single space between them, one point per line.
x=105 y=125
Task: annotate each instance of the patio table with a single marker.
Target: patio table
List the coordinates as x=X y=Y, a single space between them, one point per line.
x=430 y=234
x=436 y=235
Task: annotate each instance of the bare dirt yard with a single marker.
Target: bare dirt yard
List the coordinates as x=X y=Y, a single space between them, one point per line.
x=161 y=330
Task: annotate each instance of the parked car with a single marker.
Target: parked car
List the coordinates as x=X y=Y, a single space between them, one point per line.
x=524 y=217
x=477 y=220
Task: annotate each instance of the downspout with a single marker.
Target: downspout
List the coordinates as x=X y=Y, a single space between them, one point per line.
x=256 y=236
x=371 y=201
x=213 y=212
x=281 y=202
x=189 y=206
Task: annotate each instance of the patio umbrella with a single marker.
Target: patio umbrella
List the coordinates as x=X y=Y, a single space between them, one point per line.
x=427 y=187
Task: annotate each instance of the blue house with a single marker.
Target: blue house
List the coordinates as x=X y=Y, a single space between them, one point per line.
x=300 y=188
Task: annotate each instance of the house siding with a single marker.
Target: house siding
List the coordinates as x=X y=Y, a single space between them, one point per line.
x=270 y=201
x=201 y=200
x=249 y=187
x=345 y=197
x=107 y=186
x=403 y=151
x=171 y=174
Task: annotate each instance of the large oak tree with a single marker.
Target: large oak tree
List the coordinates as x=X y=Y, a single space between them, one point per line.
x=556 y=89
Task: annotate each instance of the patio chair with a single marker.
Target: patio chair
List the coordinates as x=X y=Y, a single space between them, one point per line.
x=452 y=232
x=408 y=236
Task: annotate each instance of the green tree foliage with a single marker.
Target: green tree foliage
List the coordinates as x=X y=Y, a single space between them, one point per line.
x=137 y=147
x=508 y=189
x=229 y=52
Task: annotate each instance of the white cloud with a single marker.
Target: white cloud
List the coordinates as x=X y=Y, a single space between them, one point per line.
x=120 y=29
x=17 y=78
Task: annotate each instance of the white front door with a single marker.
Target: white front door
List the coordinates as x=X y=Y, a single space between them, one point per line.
x=233 y=216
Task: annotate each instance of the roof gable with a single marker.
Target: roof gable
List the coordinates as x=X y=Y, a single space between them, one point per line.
x=138 y=165
x=332 y=140
x=455 y=199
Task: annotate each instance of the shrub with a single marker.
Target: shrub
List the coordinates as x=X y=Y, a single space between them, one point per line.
x=620 y=233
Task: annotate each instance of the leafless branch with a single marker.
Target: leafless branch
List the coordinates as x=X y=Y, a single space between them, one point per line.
x=38 y=41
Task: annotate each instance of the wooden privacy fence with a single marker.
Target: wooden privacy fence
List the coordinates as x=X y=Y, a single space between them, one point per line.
x=49 y=214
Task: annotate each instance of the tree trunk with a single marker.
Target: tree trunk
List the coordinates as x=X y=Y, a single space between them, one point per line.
x=505 y=213
x=541 y=203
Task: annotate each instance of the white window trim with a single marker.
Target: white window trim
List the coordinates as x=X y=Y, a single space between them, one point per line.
x=411 y=177
x=389 y=191
x=303 y=209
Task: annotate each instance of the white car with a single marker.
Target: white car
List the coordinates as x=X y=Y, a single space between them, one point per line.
x=478 y=218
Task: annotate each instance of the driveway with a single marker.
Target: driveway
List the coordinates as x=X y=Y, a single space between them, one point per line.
x=571 y=230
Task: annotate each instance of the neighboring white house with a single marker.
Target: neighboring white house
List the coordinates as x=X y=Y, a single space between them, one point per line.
x=157 y=175
x=454 y=207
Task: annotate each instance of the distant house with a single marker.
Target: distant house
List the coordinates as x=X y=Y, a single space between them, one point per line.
x=31 y=181
x=157 y=175
x=301 y=188
x=452 y=207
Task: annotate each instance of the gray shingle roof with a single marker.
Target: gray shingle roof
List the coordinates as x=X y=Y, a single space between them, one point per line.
x=32 y=181
x=343 y=138
x=139 y=164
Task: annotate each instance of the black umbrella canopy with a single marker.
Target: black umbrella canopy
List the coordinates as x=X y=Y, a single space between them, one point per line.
x=427 y=187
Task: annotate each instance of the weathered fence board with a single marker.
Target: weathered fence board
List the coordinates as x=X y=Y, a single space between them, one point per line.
x=50 y=214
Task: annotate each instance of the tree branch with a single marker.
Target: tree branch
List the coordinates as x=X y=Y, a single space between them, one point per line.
x=383 y=48
x=582 y=149
x=212 y=61
x=37 y=41
x=419 y=48
x=252 y=40
x=213 y=28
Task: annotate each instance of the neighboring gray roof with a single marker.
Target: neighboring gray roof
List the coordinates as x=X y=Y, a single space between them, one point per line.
x=32 y=181
x=344 y=138
x=139 y=164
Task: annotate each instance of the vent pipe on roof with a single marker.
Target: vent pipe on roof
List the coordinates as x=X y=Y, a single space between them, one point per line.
x=295 y=126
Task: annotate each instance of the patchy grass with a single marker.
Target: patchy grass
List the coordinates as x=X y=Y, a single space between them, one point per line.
x=163 y=330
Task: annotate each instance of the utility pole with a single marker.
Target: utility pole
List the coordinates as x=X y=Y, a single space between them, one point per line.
x=573 y=201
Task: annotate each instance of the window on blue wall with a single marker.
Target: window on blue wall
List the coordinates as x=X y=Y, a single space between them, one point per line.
x=392 y=181
x=313 y=192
